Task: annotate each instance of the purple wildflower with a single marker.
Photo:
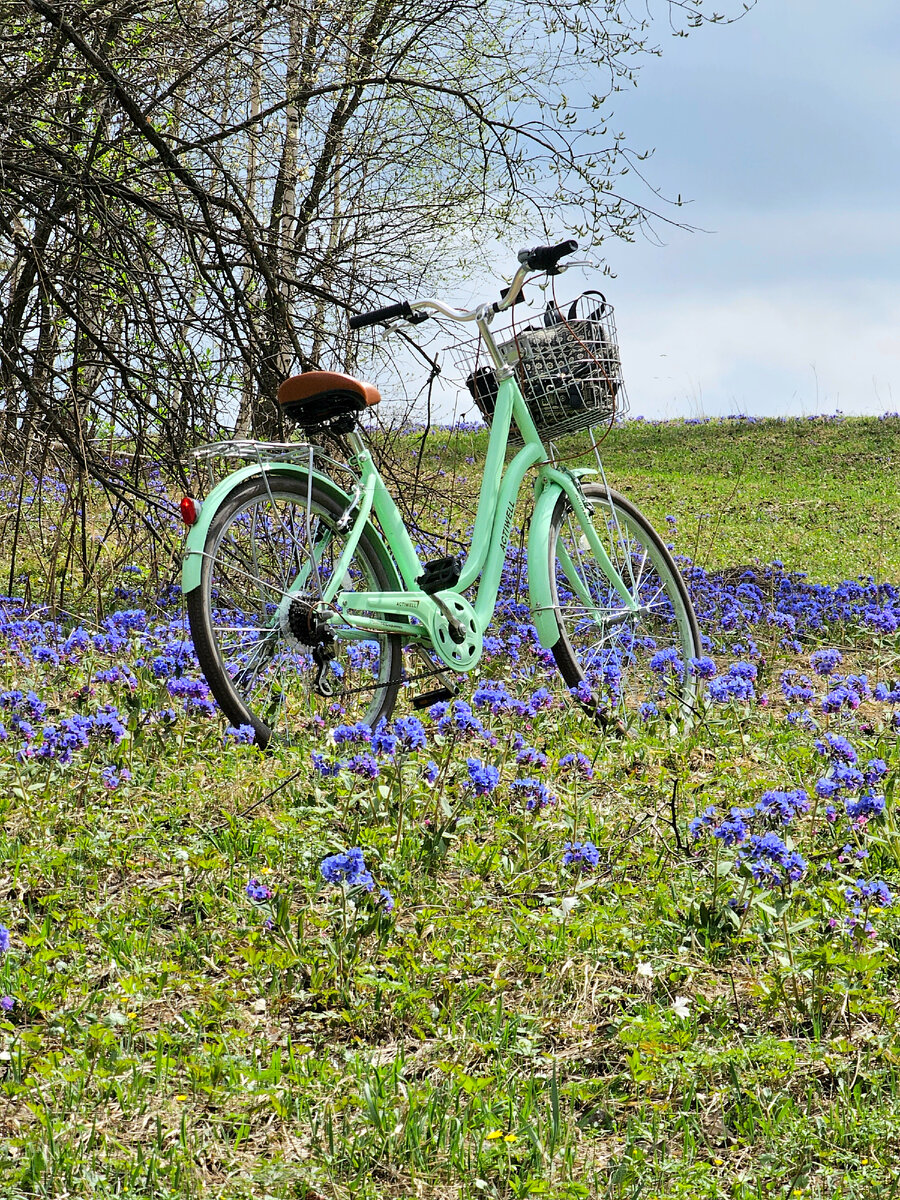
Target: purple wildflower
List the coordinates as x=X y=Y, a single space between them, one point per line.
x=258 y=891
x=241 y=735
x=537 y=795
x=348 y=867
x=363 y=765
x=483 y=777
x=580 y=854
x=410 y=733
x=824 y=662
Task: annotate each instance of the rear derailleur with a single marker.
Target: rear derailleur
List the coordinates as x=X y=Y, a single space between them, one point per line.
x=311 y=629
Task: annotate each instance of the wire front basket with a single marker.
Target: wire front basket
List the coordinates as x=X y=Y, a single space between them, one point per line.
x=569 y=370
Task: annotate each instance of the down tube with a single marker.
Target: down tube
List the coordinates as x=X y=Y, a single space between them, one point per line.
x=488 y=497
x=489 y=586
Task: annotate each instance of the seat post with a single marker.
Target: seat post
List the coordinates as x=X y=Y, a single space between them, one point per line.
x=355 y=438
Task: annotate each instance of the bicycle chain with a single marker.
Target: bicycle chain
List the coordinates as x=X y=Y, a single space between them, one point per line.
x=375 y=687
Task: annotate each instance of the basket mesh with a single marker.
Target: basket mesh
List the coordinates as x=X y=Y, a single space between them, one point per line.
x=569 y=372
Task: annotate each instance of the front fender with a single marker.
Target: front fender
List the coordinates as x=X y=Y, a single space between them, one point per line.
x=539 y=594
x=551 y=484
x=197 y=534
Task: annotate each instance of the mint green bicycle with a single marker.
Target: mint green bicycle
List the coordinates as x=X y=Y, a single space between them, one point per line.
x=303 y=585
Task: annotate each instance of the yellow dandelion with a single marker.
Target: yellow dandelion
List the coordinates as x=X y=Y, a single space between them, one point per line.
x=181 y=1099
x=494 y=1134
x=510 y=1137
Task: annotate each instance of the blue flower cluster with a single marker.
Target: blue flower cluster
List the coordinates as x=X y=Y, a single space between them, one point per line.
x=410 y=733
x=869 y=895
x=667 y=662
x=493 y=695
x=112 y=777
x=786 y=600
x=846 y=779
x=580 y=854
x=348 y=869
x=869 y=892
x=703 y=667
x=768 y=858
x=847 y=692
x=735 y=684
x=836 y=747
x=579 y=762
x=783 y=807
x=824 y=661
x=458 y=719
x=242 y=735
x=537 y=795
x=384 y=742
x=483 y=777
x=770 y=862
x=351 y=735
x=60 y=742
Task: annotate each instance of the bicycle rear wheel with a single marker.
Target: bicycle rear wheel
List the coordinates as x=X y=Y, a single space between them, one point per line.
x=268 y=554
x=628 y=659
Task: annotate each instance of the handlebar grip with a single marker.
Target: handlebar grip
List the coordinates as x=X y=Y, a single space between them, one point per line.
x=381 y=314
x=545 y=258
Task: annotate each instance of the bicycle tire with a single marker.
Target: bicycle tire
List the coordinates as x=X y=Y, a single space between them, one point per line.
x=240 y=615
x=604 y=646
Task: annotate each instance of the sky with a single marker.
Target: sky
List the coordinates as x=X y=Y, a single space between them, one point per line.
x=781 y=134
x=781 y=131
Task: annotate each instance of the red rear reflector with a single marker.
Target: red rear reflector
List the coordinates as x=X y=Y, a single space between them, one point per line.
x=190 y=509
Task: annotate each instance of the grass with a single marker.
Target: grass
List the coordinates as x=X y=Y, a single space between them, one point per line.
x=816 y=494
x=512 y=1029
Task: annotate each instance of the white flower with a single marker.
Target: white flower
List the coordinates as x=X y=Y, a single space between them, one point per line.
x=644 y=971
x=682 y=1007
x=565 y=907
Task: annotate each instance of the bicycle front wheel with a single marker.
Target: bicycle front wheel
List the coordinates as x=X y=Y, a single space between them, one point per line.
x=634 y=661
x=257 y=623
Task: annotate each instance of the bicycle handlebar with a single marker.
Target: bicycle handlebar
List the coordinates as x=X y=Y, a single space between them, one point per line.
x=539 y=258
x=381 y=314
x=546 y=258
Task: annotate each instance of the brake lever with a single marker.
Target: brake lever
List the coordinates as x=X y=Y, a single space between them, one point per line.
x=578 y=262
x=390 y=327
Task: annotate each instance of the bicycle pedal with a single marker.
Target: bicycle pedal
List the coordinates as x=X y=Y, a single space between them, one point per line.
x=614 y=726
x=438 y=574
x=428 y=698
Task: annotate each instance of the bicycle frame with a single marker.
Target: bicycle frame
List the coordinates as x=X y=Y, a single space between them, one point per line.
x=498 y=495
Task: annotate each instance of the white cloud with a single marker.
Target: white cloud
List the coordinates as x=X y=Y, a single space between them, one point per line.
x=780 y=350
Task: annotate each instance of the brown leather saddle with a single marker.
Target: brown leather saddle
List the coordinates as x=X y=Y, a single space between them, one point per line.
x=321 y=397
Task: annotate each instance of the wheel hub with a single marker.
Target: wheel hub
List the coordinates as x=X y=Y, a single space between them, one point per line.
x=303 y=622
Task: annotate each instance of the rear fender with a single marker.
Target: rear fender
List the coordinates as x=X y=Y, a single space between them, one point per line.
x=197 y=534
